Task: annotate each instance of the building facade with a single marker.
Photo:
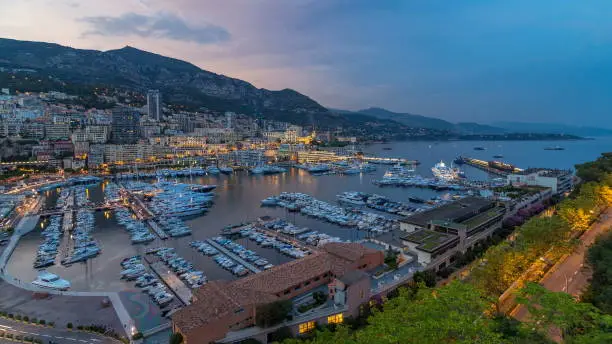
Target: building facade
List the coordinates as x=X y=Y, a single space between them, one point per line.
x=154 y=105
x=125 y=126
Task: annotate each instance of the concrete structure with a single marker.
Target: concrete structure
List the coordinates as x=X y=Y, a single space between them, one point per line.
x=125 y=126
x=57 y=131
x=228 y=309
x=560 y=181
x=154 y=105
x=436 y=235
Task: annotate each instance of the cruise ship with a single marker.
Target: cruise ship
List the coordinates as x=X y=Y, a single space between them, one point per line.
x=443 y=172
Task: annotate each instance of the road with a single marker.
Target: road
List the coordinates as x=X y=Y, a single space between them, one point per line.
x=571 y=275
x=47 y=334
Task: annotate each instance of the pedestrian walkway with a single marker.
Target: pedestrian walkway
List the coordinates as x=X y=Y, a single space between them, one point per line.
x=233 y=256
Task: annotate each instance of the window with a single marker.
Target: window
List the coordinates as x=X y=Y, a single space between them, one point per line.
x=307 y=327
x=335 y=319
x=361 y=294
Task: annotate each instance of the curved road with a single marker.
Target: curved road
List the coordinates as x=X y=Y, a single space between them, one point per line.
x=571 y=275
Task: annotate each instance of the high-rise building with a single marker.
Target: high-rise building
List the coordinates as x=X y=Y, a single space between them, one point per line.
x=124 y=129
x=154 y=104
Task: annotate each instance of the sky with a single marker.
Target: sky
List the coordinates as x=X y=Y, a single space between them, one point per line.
x=469 y=60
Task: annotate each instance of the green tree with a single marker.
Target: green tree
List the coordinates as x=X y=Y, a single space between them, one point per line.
x=176 y=338
x=272 y=313
x=551 y=310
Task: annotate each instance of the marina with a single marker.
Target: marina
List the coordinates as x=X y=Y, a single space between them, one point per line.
x=241 y=190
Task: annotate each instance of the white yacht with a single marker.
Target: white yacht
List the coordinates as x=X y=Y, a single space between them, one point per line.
x=46 y=279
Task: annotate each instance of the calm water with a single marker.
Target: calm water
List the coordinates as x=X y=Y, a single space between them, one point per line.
x=238 y=200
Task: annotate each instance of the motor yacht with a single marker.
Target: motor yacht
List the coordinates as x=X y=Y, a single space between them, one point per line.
x=49 y=280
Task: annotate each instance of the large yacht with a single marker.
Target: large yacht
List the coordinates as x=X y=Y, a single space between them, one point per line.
x=446 y=173
x=46 y=279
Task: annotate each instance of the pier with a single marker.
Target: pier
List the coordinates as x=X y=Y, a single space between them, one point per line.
x=484 y=165
x=172 y=281
x=160 y=232
x=233 y=256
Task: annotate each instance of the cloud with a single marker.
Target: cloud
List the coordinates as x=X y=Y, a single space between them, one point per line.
x=159 y=25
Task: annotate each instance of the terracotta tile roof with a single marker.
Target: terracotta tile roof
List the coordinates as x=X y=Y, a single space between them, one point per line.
x=348 y=251
x=281 y=277
x=217 y=299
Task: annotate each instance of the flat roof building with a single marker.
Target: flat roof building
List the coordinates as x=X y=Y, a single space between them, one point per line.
x=437 y=234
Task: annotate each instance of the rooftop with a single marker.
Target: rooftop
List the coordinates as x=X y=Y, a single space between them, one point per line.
x=450 y=212
x=545 y=172
x=429 y=240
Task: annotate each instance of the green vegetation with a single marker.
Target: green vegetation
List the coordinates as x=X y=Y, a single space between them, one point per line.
x=176 y=338
x=599 y=259
x=319 y=298
x=137 y=335
x=272 y=313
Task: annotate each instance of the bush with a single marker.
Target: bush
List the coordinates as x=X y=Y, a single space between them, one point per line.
x=280 y=335
x=52 y=323
x=26 y=319
x=42 y=322
x=18 y=317
x=69 y=325
x=34 y=321
x=176 y=338
x=272 y=313
x=79 y=327
x=137 y=335
x=11 y=315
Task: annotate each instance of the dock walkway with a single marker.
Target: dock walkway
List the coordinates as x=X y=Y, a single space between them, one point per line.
x=173 y=282
x=160 y=232
x=234 y=256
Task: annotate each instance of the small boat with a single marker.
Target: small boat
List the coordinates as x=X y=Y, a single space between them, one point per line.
x=213 y=170
x=226 y=170
x=498 y=156
x=49 y=280
x=554 y=148
x=387 y=148
x=479 y=148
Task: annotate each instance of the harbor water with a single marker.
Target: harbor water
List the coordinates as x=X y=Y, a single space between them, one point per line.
x=238 y=199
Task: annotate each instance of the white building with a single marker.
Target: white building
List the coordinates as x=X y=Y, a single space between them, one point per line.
x=560 y=181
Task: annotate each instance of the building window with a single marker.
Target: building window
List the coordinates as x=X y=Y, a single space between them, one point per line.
x=335 y=319
x=307 y=327
x=361 y=294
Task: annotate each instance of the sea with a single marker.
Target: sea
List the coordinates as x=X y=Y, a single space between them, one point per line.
x=238 y=199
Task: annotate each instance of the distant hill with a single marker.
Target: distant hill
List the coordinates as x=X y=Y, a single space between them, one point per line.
x=555 y=128
x=419 y=121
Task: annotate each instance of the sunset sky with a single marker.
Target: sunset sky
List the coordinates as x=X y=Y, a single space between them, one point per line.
x=472 y=60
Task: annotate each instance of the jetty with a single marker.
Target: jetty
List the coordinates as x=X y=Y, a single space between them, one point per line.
x=172 y=281
x=155 y=227
x=233 y=256
x=488 y=166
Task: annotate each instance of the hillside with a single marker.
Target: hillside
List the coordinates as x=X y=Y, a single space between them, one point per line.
x=180 y=82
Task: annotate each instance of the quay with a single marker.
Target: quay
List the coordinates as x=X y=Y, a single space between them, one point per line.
x=172 y=281
x=233 y=256
x=160 y=232
x=484 y=165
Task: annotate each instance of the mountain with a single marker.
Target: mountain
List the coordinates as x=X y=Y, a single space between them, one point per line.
x=555 y=128
x=418 y=121
x=180 y=82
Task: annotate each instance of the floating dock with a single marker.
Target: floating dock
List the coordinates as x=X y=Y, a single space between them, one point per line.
x=160 y=232
x=233 y=256
x=172 y=281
